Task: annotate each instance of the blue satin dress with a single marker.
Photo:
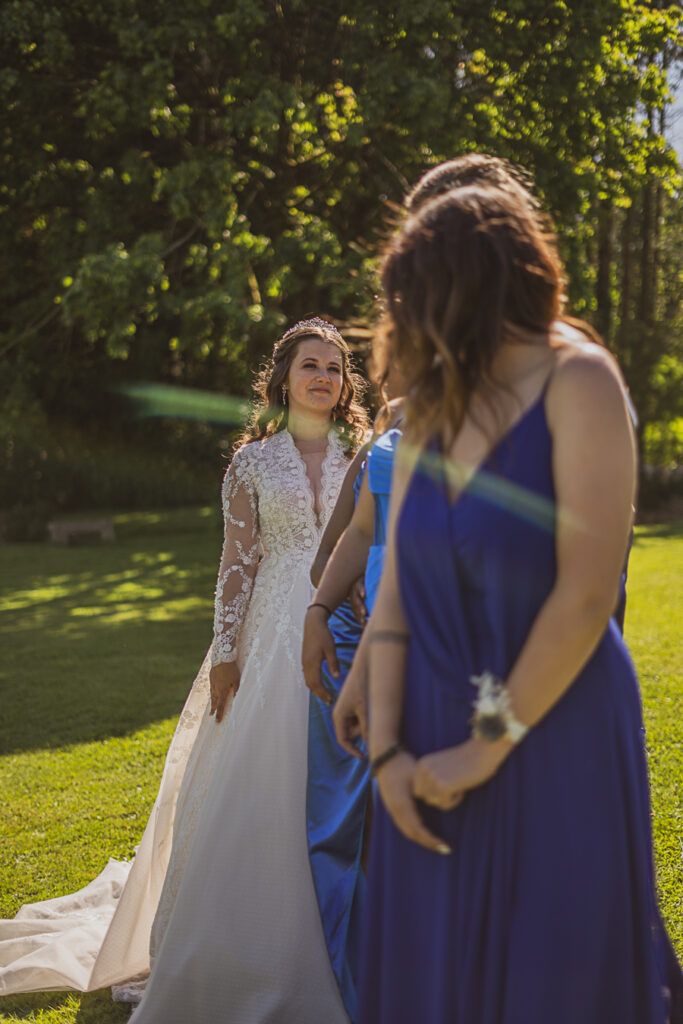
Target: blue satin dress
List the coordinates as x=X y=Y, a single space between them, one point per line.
x=545 y=912
x=338 y=784
x=380 y=465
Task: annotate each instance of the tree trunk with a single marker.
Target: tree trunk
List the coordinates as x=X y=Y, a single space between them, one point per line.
x=646 y=302
x=626 y=267
x=603 y=285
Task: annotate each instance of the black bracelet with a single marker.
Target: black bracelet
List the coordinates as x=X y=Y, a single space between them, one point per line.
x=390 y=635
x=381 y=759
x=319 y=604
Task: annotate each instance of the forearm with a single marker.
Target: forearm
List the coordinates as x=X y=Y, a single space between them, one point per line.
x=231 y=603
x=346 y=563
x=563 y=637
x=361 y=659
x=340 y=518
x=594 y=474
x=386 y=639
x=239 y=559
x=387 y=683
x=320 y=561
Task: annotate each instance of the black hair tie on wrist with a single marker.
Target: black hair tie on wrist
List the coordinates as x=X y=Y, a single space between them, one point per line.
x=319 y=604
x=386 y=755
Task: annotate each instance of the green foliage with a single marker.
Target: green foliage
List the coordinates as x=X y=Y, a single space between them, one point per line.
x=647 y=335
x=663 y=443
x=179 y=181
x=49 y=469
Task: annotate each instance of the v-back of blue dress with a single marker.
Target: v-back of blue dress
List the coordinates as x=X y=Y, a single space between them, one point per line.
x=545 y=912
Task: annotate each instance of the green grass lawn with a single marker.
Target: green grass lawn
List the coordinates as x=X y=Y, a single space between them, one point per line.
x=100 y=645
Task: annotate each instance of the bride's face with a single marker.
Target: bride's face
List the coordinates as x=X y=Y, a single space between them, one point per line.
x=315 y=377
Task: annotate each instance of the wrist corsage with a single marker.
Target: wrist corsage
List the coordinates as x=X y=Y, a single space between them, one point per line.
x=493 y=716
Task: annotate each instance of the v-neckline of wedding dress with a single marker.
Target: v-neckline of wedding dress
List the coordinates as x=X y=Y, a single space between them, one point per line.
x=331 y=452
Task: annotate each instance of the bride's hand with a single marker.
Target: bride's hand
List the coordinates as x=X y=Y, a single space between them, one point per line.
x=224 y=681
x=318 y=646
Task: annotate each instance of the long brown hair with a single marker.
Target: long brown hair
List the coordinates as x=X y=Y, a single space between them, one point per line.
x=271 y=413
x=381 y=357
x=459 y=172
x=468 y=269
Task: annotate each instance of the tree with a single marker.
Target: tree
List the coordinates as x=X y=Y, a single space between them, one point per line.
x=181 y=180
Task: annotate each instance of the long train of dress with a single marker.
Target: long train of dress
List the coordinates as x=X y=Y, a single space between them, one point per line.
x=100 y=935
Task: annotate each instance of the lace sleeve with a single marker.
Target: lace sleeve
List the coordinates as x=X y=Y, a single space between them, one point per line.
x=239 y=559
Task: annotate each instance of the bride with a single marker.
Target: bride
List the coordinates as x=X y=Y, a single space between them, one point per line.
x=237 y=934
x=244 y=941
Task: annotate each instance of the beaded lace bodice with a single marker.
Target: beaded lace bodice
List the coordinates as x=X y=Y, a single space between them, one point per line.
x=271 y=529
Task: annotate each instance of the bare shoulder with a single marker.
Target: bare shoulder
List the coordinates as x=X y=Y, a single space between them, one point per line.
x=395 y=407
x=586 y=375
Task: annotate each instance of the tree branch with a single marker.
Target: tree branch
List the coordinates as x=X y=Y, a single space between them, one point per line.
x=31 y=329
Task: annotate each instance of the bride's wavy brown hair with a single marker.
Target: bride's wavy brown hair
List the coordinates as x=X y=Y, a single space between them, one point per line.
x=469 y=269
x=272 y=405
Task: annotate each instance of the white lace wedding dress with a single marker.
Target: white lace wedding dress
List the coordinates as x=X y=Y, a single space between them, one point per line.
x=237 y=936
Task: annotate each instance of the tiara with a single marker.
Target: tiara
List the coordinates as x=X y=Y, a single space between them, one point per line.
x=314 y=323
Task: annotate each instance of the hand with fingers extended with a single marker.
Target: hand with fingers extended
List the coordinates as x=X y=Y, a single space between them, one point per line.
x=356 y=599
x=224 y=682
x=396 y=780
x=350 y=715
x=318 y=646
x=443 y=778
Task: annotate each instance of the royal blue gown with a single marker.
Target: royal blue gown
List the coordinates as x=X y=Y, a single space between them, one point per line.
x=338 y=784
x=545 y=912
x=380 y=466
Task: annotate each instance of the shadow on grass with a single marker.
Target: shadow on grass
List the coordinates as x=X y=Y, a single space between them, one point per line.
x=101 y=641
x=660 y=530
x=90 y=1008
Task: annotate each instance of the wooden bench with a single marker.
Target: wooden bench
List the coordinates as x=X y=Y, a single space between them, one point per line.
x=81 y=529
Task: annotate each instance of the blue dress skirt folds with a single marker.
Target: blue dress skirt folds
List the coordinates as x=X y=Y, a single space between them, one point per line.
x=338 y=784
x=545 y=912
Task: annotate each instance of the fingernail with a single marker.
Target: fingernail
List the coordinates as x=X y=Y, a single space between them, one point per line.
x=443 y=848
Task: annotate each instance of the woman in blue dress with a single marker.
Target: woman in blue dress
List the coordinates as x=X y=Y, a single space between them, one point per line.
x=335 y=792
x=338 y=784
x=511 y=875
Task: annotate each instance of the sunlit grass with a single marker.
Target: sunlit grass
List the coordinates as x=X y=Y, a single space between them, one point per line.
x=64 y=1008
x=100 y=645
x=653 y=631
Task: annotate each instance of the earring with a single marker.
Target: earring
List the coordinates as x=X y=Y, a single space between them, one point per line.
x=284 y=394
